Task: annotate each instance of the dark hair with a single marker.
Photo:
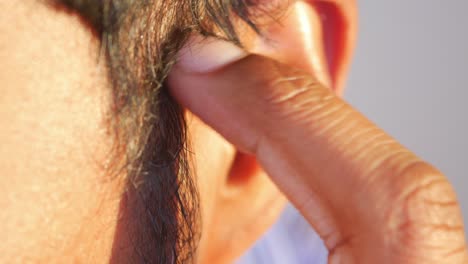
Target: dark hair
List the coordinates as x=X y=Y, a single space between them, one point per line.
x=140 y=40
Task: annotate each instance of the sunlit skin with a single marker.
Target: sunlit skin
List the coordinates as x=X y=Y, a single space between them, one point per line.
x=59 y=204
x=369 y=198
x=58 y=201
x=53 y=145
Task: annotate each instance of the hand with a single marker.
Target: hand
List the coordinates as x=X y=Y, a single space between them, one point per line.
x=369 y=198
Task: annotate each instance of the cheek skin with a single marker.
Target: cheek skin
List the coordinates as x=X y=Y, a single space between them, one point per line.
x=211 y=161
x=54 y=193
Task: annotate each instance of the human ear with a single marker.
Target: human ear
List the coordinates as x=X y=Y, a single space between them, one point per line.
x=246 y=201
x=317 y=36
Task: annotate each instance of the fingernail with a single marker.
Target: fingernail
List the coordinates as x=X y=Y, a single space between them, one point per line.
x=203 y=55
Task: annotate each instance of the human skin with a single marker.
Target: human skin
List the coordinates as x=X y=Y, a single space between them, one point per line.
x=59 y=201
x=368 y=197
x=53 y=139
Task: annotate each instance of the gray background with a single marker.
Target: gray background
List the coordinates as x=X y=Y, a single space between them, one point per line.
x=410 y=76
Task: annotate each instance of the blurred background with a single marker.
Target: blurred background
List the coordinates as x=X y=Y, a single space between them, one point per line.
x=410 y=76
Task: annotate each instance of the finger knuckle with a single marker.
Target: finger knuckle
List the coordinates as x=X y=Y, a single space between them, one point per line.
x=426 y=216
x=296 y=95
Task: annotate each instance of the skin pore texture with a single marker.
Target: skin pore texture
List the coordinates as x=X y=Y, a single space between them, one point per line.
x=95 y=166
x=54 y=140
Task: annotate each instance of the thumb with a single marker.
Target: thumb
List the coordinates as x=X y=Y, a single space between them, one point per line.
x=370 y=199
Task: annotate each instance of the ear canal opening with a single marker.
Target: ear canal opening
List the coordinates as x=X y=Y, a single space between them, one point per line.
x=242 y=168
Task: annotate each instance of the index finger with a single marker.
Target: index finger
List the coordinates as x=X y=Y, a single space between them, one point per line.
x=346 y=176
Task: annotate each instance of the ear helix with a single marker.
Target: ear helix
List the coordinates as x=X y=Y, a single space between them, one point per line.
x=294 y=39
